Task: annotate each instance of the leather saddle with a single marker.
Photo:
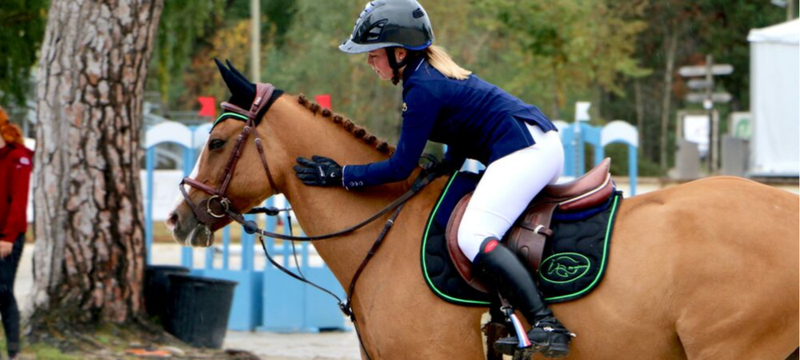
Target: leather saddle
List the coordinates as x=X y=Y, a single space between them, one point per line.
x=527 y=236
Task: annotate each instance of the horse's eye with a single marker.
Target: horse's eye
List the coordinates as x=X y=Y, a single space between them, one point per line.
x=216 y=144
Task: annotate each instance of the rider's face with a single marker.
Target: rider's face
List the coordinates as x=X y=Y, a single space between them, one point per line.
x=380 y=63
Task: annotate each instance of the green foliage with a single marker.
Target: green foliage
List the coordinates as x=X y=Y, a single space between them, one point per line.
x=574 y=46
x=46 y=352
x=722 y=31
x=310 y=62
x=619 y=162
x=547 y=53
x=717 y=27
x=181 y=30
x=21 y=34
x=190 y=37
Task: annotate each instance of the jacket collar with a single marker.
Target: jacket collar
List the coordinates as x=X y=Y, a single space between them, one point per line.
x=412 y=67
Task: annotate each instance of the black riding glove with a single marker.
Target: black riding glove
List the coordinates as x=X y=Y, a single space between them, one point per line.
x=318 y=171
x=445 y=167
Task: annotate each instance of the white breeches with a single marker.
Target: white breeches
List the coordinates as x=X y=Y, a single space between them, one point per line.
x=507 y=187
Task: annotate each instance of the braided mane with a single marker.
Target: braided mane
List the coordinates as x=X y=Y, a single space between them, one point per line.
x=357 y=131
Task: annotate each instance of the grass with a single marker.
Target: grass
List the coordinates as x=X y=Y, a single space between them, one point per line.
x=36 y=351
x=47 y=352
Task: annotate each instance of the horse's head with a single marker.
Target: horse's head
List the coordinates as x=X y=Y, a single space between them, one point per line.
x=209 y=191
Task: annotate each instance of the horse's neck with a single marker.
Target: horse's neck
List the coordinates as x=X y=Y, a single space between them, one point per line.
x=293 y=131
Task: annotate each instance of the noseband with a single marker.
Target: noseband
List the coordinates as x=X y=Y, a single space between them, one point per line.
x=218 y=206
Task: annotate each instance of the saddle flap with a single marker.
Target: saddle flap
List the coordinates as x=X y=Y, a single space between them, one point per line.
x=463 y=265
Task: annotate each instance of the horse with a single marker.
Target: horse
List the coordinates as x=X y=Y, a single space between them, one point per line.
x=703 y=270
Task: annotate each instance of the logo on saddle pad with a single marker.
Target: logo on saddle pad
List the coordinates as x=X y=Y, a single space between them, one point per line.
x=564 y=267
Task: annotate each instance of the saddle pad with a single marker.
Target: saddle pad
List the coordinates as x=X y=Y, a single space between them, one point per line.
x=440 y=273
x=571 y=268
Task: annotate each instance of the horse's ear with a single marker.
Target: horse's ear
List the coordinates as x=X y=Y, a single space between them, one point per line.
x=242 y=91
x=235 y=71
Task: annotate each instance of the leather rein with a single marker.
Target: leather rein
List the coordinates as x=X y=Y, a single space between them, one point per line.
x=218 y=206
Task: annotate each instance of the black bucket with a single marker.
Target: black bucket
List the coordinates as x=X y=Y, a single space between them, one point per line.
x=156 y=288
x=199 y=309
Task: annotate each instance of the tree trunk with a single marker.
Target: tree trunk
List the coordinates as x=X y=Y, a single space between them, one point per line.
x=671 y=45
x=89 y=254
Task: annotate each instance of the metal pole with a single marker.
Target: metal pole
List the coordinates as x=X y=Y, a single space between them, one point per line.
x=255 y=40
x=709 y=105
x=791 y=8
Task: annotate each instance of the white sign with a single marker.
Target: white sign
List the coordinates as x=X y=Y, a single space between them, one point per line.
x=721 y=69
x=696 y=130
x=715 y=97
x=582 y=111
x=698 y=84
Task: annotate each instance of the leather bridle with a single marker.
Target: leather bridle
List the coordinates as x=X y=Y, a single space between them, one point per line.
x=218 y=206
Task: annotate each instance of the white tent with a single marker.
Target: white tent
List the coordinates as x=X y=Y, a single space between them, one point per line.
x=775 y=99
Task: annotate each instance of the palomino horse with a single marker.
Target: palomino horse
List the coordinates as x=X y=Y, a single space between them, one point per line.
x=704 y=270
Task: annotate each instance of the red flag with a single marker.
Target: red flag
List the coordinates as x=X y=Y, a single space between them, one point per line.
x=208 y=106
x=323 y=100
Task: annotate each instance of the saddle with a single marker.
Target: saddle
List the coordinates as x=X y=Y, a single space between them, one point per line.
x=527 y=236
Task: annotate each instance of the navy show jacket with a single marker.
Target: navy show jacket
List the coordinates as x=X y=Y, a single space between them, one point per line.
x=476 y=120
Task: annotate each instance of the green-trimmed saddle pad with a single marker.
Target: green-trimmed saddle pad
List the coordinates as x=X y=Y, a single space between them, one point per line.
x=574 y=260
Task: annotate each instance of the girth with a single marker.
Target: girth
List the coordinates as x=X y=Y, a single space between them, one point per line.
x=528 y=234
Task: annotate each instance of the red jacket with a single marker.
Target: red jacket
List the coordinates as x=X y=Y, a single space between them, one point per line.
x=16 y=162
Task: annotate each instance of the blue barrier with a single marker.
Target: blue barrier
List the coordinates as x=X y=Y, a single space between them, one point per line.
x=574 y=137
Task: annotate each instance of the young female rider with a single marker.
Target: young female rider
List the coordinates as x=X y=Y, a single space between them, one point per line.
x=447 y=104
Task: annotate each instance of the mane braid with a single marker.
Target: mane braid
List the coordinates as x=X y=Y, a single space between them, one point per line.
x=346 y=124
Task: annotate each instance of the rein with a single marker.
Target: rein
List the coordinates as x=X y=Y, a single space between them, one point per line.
x=218 y=206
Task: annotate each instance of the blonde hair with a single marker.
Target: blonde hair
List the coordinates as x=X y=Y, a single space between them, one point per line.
x=442 y=61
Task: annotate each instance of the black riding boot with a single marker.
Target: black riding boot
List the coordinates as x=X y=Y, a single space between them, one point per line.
x=497 y=266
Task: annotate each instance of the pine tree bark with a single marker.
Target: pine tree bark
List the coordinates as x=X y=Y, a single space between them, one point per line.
x=89 y=253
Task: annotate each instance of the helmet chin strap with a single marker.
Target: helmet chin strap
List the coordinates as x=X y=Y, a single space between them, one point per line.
x=395 y=65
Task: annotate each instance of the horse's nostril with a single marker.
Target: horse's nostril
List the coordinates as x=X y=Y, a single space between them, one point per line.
x=172 y=220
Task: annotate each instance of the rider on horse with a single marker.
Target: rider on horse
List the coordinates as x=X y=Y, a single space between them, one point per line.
x=445 y=103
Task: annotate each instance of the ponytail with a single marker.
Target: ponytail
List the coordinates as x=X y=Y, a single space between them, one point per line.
x=440 y=60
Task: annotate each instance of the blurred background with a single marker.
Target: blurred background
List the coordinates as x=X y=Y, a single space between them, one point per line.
x=623 y=57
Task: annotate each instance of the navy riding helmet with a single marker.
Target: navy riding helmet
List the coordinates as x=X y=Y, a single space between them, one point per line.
x=390 y=23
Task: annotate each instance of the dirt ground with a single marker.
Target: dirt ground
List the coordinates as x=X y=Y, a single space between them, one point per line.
x=267 y=346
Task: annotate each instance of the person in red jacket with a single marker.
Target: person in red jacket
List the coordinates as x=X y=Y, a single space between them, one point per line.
x=16 y=162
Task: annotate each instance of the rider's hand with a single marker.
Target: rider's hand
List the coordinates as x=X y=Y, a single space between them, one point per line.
x=318 y=171
x=445 y=167
x=5 y=248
